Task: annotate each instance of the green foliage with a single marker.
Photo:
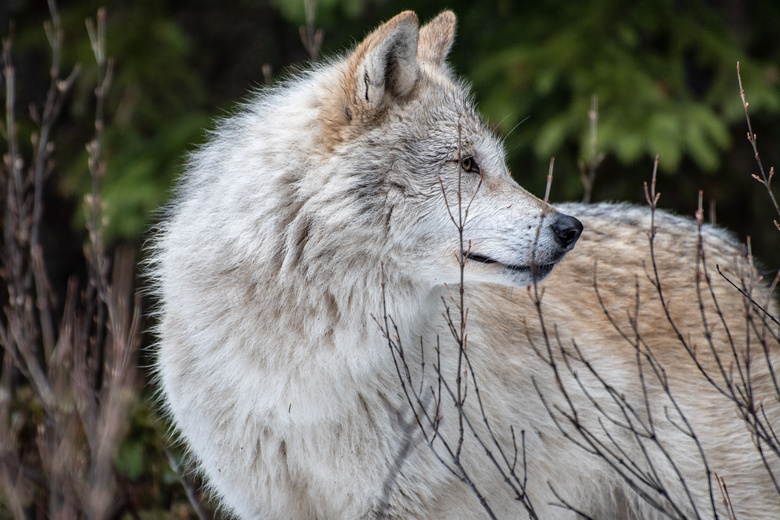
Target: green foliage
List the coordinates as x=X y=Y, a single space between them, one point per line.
x=155 y=109
x=664 y=73
x=142 y=448
x=295 y=10
x=155 y=114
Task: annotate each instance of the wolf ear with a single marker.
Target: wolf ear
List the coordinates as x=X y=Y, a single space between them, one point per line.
x=385 y=63
x=436 y=38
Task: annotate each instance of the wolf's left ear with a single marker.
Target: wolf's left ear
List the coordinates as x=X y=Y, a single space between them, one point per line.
x=380 y=71
x=386 y=61
x=436 y=38
x=384 y=65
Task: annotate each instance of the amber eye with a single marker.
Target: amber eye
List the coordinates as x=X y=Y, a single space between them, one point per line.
x=469 y=164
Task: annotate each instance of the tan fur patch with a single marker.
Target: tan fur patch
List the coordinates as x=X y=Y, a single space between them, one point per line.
x=345 y=114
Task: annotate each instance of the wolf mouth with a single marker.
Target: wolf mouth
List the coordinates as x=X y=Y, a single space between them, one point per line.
x=539 y=270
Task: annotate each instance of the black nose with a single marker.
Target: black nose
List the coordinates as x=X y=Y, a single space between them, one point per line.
x=567 y=230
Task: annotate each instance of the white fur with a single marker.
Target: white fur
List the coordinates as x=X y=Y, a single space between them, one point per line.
x=272 y=262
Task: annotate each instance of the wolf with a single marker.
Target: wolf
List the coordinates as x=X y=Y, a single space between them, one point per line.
x=327 y=227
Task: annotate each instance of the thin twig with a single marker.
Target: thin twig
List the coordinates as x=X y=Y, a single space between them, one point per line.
x=764 y=179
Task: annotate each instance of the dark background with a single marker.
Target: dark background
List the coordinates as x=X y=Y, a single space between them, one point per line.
x=663 y=73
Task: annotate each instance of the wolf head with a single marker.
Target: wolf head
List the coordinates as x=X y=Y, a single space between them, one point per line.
x=376 y=159
x=422 y=163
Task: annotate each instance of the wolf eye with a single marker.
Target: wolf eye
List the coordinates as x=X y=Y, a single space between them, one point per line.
x=469 y=164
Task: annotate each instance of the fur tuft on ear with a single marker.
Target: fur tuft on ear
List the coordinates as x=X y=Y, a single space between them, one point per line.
x=380 y=71
x=385 y=63
x=436 y=38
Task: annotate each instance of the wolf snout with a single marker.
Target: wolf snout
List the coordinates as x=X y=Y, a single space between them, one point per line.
x=567 y=230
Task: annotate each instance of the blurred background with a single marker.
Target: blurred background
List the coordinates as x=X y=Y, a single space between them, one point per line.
x=603 y=87
x=662 y=73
